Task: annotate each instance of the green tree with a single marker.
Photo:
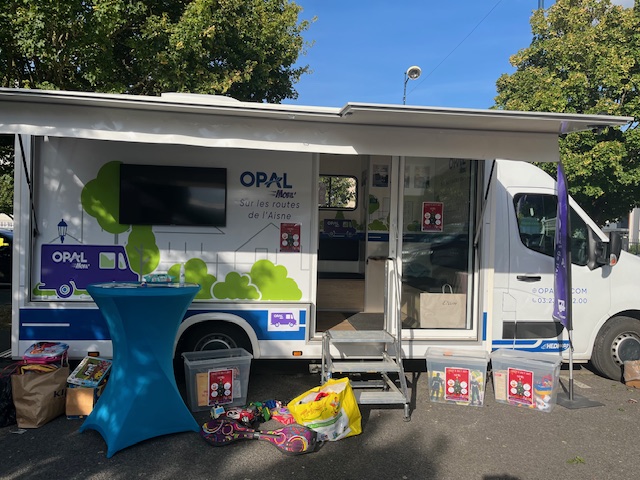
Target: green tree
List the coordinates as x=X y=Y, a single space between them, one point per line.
x=585 y=58
x=243 y=48
x=6 y=175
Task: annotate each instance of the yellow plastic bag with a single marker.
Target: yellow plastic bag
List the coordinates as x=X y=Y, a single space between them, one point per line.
x=331 y=410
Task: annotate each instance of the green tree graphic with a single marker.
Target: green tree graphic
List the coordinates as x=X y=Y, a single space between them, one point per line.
x=195 y=271
x=144 y=255
x=273 y=283
x=100 y=198
x=236 y=287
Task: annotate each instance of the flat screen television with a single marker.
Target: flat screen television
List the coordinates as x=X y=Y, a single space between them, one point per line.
x=172 y=195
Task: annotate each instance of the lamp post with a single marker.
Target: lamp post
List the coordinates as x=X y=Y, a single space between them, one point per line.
x=411 y=74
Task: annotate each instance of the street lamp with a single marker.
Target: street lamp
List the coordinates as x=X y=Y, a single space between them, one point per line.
x=411 y=74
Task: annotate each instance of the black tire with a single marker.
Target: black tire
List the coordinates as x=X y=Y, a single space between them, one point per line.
x=617 y=341
x=215 y=336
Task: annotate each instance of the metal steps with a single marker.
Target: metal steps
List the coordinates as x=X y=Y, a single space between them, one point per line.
x=342 y=353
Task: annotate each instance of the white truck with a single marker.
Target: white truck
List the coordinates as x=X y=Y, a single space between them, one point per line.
x=280 y=213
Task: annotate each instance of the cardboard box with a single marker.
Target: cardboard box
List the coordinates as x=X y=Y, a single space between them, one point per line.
x=217 y=377
x=85 y=385
x=526 y=379
x=81 y=400
x=457 y=376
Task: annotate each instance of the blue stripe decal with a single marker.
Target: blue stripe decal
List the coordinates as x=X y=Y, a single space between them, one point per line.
x=547 y=346
x=378 y=237
x=84 y=324
x=259 y=321
x=484 y=326
x=89 y=324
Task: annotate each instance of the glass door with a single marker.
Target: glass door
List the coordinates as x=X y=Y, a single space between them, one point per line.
x=438 y=204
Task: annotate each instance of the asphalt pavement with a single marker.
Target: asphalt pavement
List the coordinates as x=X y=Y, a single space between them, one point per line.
x=495 y=441
x=491 y=442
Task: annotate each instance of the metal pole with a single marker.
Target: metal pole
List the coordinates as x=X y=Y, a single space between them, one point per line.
x=540 y=4
x=404 y=94
x=570 y=367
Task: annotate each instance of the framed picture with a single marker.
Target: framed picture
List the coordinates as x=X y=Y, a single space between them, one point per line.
x=380 y=176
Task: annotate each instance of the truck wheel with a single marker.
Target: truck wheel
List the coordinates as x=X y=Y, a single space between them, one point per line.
x=215 y=336
x=617 y=341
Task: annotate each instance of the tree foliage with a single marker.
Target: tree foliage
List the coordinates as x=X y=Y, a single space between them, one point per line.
x=585 y=58
x=6 y=175
x=243 y=48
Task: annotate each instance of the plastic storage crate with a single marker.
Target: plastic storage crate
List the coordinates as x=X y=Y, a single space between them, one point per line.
x=457 y=376
x=526 y=379
x=217 y=378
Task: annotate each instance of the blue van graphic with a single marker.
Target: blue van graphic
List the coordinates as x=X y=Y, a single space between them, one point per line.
x=283 y=318
x=65 y=267
x=339 y=228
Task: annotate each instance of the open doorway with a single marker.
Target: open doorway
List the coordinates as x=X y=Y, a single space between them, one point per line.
x=342 y=195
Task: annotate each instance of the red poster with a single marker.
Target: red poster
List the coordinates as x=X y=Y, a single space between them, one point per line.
x=520 y=386
x=457 y=384
x=432 y=216
x=290 y=237
x=220 y=387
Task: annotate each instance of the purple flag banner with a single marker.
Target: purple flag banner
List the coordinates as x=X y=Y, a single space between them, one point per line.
x=562 y=256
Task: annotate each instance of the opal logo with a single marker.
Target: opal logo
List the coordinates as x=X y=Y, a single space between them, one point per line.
x=259 y=179
x=68 y=257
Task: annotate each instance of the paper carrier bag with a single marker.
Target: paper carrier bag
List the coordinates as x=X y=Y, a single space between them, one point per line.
x=39 y=397
x=443 y=310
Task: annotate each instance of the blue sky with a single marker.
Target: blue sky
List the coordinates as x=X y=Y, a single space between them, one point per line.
x=362 y=48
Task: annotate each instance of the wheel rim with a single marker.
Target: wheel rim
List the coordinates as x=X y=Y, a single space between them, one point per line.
x=215 y=342
x=626 y=346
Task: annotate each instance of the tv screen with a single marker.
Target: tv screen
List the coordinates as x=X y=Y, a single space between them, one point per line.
x=171 y=195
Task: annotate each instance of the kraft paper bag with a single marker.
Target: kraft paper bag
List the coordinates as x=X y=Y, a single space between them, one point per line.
x=443 y=310
x=39 y=397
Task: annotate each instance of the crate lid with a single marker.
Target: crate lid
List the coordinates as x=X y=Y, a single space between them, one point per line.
x=216 y=354
x=506 y=355
x=443 y=353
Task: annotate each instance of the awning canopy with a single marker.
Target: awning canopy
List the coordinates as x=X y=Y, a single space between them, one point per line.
x=355 y=129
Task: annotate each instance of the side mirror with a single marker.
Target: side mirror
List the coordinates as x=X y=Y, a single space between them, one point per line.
x=604 y=253
x=615 y=247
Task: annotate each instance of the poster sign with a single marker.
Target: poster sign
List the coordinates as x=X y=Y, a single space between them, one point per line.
x=457 y=384
x=290 y=237
x=220 y=386
x=520 y=384
x=432 y=216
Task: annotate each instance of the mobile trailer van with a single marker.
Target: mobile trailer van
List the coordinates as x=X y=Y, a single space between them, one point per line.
x=287 y=216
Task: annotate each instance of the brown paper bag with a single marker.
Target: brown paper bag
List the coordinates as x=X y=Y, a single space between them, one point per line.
x=443 y=310
x=39 y=397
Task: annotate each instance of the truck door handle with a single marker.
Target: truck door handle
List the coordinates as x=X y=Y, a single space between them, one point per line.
x=529 y=278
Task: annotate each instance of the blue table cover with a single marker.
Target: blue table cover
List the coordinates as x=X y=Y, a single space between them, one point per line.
x=141 y=399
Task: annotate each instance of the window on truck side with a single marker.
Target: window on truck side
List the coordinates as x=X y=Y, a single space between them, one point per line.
x=337 y=192
x=536 y=215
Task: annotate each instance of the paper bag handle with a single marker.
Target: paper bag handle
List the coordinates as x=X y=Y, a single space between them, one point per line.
x=444 y=288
